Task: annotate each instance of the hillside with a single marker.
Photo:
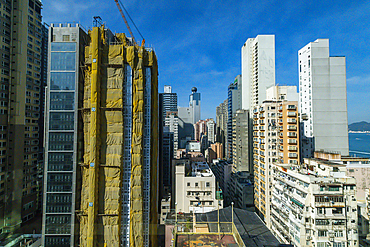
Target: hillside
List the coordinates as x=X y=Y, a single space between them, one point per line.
x=359 y=126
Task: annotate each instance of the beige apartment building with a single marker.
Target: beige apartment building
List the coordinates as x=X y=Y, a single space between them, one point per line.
x=275 y=140
x=21 y=91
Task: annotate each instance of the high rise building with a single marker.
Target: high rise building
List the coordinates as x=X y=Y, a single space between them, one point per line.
x=168 y=101
x=200 y=128
x=21 y=90
x=211 y=130
x=172 y=122
x=188 y=116
x=107 y=152
x=242 y=154
x=221 y=125
x=168 y=154
x=275 y=139
x=258 y=70
x=322 y=99
x=194 y=103
x=63 y=133
x=234 y=103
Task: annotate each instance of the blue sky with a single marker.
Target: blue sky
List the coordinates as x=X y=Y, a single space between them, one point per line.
x=198 y=43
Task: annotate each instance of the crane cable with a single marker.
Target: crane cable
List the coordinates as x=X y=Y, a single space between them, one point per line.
x=130 y=18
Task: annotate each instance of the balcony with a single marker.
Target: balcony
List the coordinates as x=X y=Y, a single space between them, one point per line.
x=292 y=120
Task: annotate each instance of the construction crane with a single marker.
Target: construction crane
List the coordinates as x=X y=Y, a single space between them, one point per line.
x=127 y=25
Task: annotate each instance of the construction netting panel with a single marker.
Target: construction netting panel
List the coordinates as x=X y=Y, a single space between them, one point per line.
x=104 y=141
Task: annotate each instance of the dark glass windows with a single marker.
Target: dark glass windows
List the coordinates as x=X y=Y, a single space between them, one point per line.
x=61 y=101
x=63 y=61
x=62 y=80
x=61 y=141
x=61 y=120
x=60 y=161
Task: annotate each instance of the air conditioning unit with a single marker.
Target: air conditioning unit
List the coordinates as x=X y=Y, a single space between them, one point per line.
x=309 y=237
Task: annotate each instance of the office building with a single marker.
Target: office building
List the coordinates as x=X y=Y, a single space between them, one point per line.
x=322 y=99
x=275 y=139
x=168 y=101
x=234 y=103
x=313 y=206
x=194 y=104
x=113 y=148
x=258 y=70
x=63 y=125
x=21 y=90
x=168 y=154
x=195 y=188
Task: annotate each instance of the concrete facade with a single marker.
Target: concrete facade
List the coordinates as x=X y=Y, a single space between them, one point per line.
x=258 y=70
x=322 y=99
x=195 y=188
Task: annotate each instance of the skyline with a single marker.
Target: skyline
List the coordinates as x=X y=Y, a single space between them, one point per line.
x=199 y=45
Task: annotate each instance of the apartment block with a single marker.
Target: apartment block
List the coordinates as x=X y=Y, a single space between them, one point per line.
x=195 y=188
x=241 y=148
x=172 y=122
x=313 y=205
x=322 y=99
x=275 y=139
x=21 y=91
x=258 y=70
x=221 y=125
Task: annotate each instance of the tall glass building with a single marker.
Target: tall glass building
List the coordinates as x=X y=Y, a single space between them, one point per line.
x=62 y=125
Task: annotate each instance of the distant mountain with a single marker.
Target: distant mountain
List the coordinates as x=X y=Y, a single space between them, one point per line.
x=359 y=126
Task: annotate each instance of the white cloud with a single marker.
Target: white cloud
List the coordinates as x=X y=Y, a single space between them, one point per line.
x=359 y=80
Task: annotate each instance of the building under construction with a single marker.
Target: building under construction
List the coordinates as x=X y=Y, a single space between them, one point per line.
x=101 y=140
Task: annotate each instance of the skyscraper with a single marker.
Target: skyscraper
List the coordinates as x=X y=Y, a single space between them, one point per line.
x=258 y=70
x=194 y=104
x=234 y=103
x=116 y=142
x=168 y=101
x=21 y=89
x=322 y=99
x=63 y=133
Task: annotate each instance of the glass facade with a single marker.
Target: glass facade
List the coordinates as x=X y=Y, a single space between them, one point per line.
x=61 y=145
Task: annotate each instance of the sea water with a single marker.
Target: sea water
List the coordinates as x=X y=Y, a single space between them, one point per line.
x=359 y=144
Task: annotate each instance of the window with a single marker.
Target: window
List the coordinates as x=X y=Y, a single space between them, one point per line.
x=188 y=184
x=322 y=233
x=208 y=184
x=338 y=234
x=65 y=37
x=196 y=184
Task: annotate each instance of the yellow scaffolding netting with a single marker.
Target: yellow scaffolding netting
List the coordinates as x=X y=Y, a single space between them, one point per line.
x=101 y=201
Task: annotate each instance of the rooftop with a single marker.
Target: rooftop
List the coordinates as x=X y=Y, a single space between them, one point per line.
x=251 y=229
